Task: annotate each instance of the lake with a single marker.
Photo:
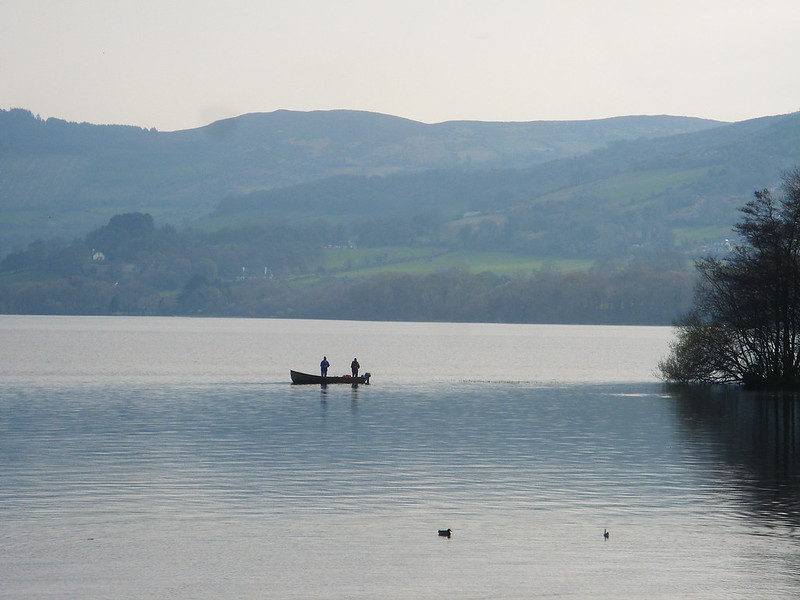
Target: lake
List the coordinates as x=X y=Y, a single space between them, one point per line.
x=171 y=458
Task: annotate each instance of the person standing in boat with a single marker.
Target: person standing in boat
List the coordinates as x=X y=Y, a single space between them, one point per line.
x=323 y=366
x=354 y=367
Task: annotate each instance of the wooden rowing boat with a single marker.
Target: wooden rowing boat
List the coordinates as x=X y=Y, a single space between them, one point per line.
x=307 y=378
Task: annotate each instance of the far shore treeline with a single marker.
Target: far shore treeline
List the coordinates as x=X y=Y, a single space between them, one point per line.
x=132 y=267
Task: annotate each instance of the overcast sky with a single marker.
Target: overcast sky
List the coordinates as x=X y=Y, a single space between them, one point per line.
x=177 y=64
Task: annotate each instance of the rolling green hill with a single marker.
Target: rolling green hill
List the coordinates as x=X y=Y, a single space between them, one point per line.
x=680 y=193
x=63 y=179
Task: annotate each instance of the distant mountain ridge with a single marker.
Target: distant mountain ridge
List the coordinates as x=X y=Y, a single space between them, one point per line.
x=687 y=187
x=62 y=179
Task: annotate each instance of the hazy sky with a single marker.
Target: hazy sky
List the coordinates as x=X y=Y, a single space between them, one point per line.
x=176 y=64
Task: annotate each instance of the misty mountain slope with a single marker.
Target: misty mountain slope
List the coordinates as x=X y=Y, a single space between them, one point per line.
x=361 y=143
x=686 y=188
x=730 y=158
x=61 y=178
x=694 y=180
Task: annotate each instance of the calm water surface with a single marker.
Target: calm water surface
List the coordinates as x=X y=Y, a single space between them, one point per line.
x=170 y=458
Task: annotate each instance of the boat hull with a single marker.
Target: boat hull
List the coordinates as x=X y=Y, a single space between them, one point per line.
x=299 y=378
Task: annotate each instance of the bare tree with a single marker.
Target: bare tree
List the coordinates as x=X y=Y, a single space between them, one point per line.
x=745 y=324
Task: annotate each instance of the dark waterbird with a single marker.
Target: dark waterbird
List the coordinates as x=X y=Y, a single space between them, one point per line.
x=605 y=533
x=445 y=532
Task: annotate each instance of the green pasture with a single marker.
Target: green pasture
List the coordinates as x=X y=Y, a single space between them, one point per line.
x=265 y=216
x=695 y=235
x=27 y=276
x=629 y=187
x=363 y=262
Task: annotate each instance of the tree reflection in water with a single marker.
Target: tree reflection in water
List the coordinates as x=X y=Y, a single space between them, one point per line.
x=753 y=435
